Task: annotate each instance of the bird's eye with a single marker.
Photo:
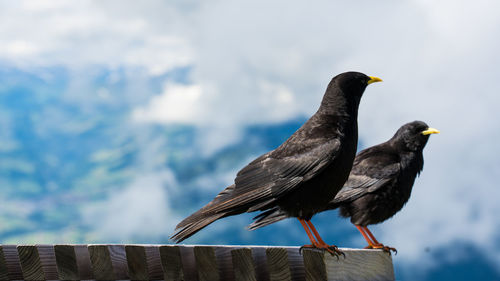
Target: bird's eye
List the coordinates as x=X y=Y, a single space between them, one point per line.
x=417 y=130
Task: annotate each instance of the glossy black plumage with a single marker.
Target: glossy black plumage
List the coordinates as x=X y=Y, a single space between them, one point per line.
x=380 y=181
x=301 y=176
x=382 y=177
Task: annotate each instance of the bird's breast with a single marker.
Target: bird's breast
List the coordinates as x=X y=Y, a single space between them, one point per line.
x=314 y=195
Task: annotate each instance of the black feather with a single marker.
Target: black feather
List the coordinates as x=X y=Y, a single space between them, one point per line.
x=382 y=177
x=301 y=176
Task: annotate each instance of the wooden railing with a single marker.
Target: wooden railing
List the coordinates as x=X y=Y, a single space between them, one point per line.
x=169 y=262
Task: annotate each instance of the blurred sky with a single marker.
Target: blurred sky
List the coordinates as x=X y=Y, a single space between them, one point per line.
x=221 y=66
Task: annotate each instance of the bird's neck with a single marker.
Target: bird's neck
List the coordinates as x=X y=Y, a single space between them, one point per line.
x=335 y=103
x=339 y=109
x=340 y=124
x=413 y=160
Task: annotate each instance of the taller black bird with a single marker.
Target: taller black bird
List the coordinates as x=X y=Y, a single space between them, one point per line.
x=381 y=179
x=302 y=175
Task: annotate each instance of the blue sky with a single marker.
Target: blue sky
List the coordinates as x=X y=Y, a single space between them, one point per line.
x=221 y=66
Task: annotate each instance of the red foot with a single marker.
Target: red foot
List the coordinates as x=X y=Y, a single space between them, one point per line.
x=383 y=247
x=332 y=249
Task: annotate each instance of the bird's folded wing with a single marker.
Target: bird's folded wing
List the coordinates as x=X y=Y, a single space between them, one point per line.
x=359 y=184
x=267 y=178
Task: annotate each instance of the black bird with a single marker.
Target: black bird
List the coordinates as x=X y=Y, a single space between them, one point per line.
x=382 y=178
x=302 y=175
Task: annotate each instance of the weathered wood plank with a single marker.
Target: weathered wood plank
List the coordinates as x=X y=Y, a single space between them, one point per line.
x=171 y=263
x=360 y=265
x=314 y=264
x=119 y=260
x=244 y=269
x=102 y=266
x=224 y=263
x=153 y=260
x=296 y=263
x=260 y=261
x=4 y=272
x=48 y=261
x=85 y=270
x=67 y=268
x=30 y=263
x=137 y=263
x=190 y=263
x=278 y=265
x=12 y=261
x=206 y=264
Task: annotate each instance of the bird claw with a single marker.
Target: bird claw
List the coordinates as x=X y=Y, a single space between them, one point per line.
x=389 y=249
x=332 y=249
x=384 y=248
x=310 y=246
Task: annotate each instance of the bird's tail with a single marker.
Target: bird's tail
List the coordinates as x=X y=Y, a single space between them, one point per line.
x=191 y=225
x=205 y=216
x=267 y=217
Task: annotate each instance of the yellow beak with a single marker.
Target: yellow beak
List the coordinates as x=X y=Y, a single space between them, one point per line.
x=374 y=79
x=430 y=131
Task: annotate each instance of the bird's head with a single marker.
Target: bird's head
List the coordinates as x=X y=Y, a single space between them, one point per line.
x=347 y=87
x=354 y=82
x=413 y=136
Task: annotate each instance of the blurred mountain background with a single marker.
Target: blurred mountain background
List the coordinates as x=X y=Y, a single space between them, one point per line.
x=120 y=118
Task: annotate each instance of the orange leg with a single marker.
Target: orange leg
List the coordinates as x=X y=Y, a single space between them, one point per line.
x=371 y=235
x=311 y=237
x=319 y=243
x=373 y=243
x=370 y=243
x=315 y=232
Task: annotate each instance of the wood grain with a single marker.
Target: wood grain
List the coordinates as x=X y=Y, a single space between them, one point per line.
x=153 y=260
x=30 y=263
x=102 y=266
x=119 y=260
x=206 y=264
x=137 y=263
x=296 y=263
x=67 y=268
x=48 y=261
x=171 y=263
x=360 y=265
x=83 y=262
x=243 y=266
x=314 y=264
x=224 y=261
x=190 y=263
x=12 y=261
x=277 y=262
x=260 y=262
x=4 y=272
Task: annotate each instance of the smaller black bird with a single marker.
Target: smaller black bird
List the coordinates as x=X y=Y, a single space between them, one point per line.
x=382 y=178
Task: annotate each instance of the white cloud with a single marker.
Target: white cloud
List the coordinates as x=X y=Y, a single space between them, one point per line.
x=141 y=210
x=177 y=104
x=78 y=34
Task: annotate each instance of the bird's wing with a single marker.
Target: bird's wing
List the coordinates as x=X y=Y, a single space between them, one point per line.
x=258 y=185
x=369 y=173
x=267 y=178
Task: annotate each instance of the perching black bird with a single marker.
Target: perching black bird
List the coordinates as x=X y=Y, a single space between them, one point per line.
x=302 y=175
x=382 y=178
